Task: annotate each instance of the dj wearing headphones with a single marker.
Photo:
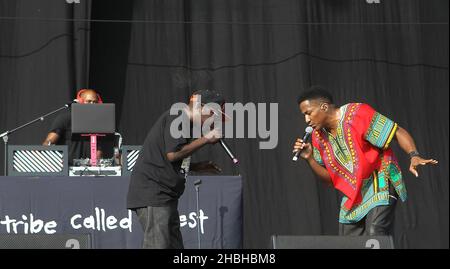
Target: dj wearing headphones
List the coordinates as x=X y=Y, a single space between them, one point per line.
x=61 y=134
x=88 y=96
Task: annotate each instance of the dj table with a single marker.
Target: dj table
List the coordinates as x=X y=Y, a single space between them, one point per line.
x=97 y=206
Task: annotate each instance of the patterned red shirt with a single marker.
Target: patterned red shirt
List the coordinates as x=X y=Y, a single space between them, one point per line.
x=360 y=163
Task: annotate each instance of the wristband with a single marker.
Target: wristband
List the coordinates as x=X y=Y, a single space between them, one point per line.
x=414 y=154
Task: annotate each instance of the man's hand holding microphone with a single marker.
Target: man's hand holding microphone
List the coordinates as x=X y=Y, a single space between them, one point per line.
x=302 y=147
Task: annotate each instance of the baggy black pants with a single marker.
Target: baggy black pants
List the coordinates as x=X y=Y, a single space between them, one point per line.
x=379 y=220
x=161 y=225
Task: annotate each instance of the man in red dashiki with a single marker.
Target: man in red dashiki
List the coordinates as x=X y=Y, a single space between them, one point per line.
x=350 y=150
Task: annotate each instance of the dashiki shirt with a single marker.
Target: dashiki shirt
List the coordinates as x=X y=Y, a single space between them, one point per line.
x=360 y=163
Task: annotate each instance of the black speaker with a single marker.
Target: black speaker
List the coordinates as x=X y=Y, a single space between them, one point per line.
x=45 y=241
x=331 y=242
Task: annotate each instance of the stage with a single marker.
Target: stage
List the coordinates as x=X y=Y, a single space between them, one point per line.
x=148 y=57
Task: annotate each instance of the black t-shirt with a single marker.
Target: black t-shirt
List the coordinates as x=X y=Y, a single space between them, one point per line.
x=155 y=181
x=78 y=146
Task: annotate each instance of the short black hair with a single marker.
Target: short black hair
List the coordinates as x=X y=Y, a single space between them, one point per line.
x=314 y=93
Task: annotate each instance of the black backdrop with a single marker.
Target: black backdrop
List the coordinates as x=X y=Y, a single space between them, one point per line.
x=392 y=55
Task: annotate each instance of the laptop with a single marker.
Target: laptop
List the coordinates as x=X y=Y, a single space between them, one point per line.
x=93 y=118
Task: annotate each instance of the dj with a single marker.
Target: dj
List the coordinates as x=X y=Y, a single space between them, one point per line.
x=61 y=133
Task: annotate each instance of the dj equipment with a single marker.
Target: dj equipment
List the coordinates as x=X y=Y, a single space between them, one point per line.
x=95 y=171
x=53 y=161
x=105 y=167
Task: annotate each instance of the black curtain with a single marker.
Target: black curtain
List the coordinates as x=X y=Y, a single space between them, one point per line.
x=44 y=58
x=392 y=55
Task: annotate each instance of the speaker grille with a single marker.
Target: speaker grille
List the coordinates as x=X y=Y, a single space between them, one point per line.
x=37 y=160
x=130 y=155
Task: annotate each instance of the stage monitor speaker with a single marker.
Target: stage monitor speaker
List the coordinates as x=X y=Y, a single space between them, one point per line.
x=37 y=160
x=45 y=241
x=331 y=242
x=130 y=155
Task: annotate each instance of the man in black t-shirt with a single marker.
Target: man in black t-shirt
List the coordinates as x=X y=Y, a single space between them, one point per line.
x=158 y=178
x=61 y=130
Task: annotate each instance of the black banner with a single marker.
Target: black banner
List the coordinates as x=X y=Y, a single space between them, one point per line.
x=97 y=206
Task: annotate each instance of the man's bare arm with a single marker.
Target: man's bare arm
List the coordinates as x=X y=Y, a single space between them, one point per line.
x=187 y=149
x=210 y=138
x=51 y=139
x=406 y=142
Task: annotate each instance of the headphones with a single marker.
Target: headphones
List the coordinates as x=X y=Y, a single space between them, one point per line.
x=81 y=100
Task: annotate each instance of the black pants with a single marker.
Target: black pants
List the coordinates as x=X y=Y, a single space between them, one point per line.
x=379 y=221
x=161 y=225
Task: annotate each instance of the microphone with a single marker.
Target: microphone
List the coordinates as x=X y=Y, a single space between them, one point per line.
x=306 y=137
x=228 y=151
x=72 y=102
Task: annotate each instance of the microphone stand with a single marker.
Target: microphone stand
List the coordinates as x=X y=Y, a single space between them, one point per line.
x=197 y=186
x=7 y=133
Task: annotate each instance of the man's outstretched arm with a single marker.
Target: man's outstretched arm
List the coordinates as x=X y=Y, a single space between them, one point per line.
x=406 y=142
